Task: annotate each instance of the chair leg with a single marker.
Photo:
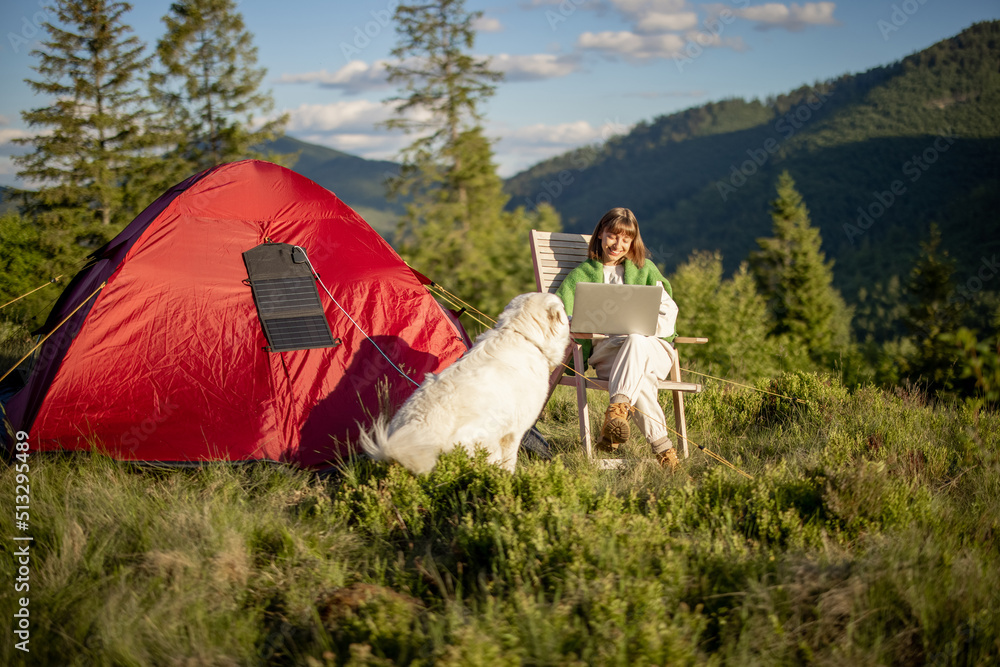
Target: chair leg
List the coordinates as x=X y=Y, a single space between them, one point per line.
x=679 y=420
x=581 y=399
x=681 y=423
x=556 y=375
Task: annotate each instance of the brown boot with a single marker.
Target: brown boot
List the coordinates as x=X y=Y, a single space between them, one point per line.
x=616 y=429
x=668 y=460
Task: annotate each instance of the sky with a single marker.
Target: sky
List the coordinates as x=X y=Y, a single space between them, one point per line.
x=576 y=71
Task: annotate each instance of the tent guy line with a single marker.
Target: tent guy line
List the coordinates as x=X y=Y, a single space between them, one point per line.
x=457 y=301
x=363 y=332
x=171 y=362
x=55 y=329
x=16 y=299
x=706 y=450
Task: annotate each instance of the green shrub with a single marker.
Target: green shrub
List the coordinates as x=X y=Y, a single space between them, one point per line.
x=866 y=535
x=797 y=394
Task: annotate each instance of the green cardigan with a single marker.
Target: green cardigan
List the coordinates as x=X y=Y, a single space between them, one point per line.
x=592 y=271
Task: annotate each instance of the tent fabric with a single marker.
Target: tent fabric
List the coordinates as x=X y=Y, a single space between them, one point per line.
x=169 y=361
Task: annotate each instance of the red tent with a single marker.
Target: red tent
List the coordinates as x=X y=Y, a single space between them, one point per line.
x=175 y=359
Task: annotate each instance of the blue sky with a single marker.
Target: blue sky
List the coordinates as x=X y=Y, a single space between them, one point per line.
x=577 y=71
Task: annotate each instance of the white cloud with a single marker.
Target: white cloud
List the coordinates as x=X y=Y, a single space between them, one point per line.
x=630 y=8
x=354 y=77
x=655 y=22
x=347 y=116
x=350 y=126
x=534 y=67
x=657 y=16
x=368 y=146
x=646 y=16
x=7 y=134
x=563 y=134
x=793 y=17
x=8 y=174
x=487 y=24
x=531 y=4
x=637 y=8
x=522 y=147
x=516 y=148
x=632 y=46
x=7 y=147
x=709 y=39
x=359 y=77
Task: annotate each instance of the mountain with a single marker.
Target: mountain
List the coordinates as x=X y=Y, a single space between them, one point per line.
x=877 y=156
x=359 y=183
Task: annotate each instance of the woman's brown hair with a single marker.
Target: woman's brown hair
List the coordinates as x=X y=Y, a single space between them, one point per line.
x=619 y=220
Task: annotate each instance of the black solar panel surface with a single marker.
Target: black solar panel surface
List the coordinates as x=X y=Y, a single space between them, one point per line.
x=280 y=296
x=289 y=307
x=298 y=333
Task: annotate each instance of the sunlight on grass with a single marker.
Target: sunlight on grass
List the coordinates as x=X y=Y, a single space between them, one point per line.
x=868 y=535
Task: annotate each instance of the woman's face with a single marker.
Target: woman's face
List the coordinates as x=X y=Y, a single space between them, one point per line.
x=614 y=247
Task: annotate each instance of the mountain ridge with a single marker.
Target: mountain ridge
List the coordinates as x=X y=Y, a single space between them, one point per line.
x=357 y=181
x=702 y=178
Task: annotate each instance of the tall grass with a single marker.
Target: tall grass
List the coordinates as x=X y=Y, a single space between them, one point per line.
x=869 y=534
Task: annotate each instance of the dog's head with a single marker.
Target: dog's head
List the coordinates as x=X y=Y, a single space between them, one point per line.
x=541 y=318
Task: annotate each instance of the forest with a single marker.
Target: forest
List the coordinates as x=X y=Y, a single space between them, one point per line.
x=895 y=169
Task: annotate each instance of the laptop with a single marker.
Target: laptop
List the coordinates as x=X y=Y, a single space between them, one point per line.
x=601 y=308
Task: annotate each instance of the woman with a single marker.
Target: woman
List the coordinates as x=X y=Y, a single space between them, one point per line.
x=633 y=364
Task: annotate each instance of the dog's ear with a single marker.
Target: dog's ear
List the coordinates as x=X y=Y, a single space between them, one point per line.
x=557 y=315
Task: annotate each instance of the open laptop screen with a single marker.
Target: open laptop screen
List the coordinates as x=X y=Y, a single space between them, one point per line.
x=601 y=308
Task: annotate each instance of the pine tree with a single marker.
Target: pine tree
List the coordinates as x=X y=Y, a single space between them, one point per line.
x=731 y=314
x=792 y=274
x=208 y=90
x=455 y=227
x=932 y=315
x=445 y=86
x=90 y=67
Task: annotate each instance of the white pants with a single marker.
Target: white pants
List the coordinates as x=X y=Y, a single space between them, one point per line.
x=633 y=365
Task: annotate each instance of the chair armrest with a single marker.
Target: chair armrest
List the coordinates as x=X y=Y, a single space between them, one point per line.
x=690 y=339
x=679 y=339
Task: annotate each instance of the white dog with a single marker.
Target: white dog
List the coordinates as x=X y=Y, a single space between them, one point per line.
x=488 y=398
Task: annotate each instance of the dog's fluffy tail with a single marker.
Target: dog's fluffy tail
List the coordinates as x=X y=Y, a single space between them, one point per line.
x=409 y=446
x=374 y=441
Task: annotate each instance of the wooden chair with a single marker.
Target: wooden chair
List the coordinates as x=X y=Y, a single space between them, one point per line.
x=554 y=255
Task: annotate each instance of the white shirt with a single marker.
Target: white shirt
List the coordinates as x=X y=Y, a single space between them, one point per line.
x=614 y=275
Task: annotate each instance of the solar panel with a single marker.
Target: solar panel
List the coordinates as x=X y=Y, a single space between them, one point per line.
x=287 y=300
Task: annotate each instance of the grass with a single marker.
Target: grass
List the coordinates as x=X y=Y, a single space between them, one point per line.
x=869 y=534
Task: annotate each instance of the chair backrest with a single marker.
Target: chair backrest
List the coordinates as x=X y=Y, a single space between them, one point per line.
x=555 y=254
